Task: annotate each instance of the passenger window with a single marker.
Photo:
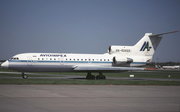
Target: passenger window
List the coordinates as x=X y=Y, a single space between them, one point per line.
x=81 y=59
x=100 y=59
x=104 y=59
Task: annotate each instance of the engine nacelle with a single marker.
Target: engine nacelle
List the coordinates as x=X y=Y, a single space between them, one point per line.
x=121 y=61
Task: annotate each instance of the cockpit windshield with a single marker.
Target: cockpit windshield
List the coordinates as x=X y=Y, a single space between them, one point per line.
x=14 y=58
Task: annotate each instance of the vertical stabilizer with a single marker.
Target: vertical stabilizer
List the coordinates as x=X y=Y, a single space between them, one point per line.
x=149 y=43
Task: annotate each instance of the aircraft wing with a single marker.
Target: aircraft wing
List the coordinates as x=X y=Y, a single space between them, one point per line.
x=103 y=68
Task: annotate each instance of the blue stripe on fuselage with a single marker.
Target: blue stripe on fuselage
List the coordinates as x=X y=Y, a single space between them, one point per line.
x=44 y=61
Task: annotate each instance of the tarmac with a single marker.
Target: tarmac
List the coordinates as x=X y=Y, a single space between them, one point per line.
x=89 y=98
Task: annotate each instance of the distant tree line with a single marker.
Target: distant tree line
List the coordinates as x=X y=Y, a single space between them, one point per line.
x=152 y=64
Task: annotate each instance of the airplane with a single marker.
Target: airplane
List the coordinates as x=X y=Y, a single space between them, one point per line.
x=118 y=59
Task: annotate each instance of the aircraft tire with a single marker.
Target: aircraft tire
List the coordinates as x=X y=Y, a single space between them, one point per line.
x=24 y=76
x=90 y=77
x=97 y=78
x=100 y=77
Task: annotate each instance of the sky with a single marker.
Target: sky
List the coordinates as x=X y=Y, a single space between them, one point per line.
x=87 y=26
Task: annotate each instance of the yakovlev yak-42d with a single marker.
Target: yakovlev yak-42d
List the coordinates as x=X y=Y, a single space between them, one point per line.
x=118 y=59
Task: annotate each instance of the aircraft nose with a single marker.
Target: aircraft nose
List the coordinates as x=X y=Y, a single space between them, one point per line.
x=5 y=64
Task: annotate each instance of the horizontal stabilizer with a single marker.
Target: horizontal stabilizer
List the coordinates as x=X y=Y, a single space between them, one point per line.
x=156 y=35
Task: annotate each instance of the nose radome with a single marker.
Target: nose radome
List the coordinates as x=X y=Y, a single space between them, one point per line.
x=5 y=64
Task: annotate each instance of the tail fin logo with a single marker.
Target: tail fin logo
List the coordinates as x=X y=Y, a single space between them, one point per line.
x=145 y=46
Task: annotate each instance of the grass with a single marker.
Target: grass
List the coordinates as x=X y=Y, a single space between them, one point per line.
x=140 y=74
x=6 y=70
x=137 y=74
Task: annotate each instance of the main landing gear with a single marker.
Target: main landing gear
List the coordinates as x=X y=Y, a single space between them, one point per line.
x=90 y=76
x=100 y=76
x=24 y=76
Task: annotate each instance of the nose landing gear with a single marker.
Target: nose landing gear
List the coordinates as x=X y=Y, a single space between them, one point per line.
x=24 y=76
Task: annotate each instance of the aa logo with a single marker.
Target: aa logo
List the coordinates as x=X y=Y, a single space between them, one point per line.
x=145 y=46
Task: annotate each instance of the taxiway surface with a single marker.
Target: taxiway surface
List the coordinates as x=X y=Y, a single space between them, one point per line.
x=85 y=98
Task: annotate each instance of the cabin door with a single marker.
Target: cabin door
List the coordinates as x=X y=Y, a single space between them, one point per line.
x=61 y=59
x=29 y=60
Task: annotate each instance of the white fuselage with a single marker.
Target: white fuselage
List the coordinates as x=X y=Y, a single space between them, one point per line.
x=61 y=62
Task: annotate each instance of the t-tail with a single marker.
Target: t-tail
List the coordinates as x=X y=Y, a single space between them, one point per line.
x=149 y=43
x=142 y=51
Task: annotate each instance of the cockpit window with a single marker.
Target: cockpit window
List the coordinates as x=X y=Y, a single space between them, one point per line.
x=14 y=58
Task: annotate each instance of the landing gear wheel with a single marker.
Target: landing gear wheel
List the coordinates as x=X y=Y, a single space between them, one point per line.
x=100 y=76
x=24 y=76
x=104 y=77
x=97 y=77
x=90 y=76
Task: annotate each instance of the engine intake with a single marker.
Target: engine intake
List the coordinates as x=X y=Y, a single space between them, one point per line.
x=112 y=49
